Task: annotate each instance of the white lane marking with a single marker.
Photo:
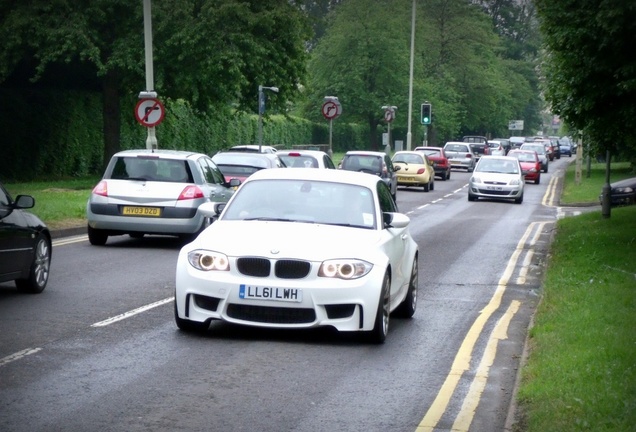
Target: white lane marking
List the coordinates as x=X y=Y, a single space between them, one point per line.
x=18 y=355
x=132 y=312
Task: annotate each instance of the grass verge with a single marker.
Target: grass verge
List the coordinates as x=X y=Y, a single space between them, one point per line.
x=589 y=188
x=60 y=204
x=580 y=374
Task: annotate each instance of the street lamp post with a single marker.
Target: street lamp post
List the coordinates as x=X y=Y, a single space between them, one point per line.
x=261 y=110
x=408 y=133
x=151 y=140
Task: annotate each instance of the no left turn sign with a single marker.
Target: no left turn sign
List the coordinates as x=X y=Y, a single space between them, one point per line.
x=149 y=112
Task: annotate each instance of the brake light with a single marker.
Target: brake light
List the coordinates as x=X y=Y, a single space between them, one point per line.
x=293 y=154
x=190 y=192
x=469 y=155
x=421 y=170
x=101 y=188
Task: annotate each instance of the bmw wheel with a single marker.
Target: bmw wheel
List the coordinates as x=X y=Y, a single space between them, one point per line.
x=407 y=308
x=381 y=326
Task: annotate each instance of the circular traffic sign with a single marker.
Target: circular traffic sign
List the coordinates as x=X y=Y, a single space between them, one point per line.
x=331 y=109
x=389 y=116
x=149 y=112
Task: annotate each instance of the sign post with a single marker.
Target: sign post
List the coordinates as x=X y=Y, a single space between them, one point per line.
x=331 y=109
x=389 y=116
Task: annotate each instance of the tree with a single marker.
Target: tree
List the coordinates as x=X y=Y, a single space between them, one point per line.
x=213 y=53
x=590 y=69
x=363 y=59
x=460 y=67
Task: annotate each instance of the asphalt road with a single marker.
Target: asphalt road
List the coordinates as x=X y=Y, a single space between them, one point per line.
x=99 y=350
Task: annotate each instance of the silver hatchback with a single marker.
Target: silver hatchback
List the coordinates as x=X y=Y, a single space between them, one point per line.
x=155 y=192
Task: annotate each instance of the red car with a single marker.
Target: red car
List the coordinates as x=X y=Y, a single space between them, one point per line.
x=530 y=164
x=441 y=164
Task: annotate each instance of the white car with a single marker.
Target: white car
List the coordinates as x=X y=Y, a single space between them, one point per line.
x=497 y=177
x=254 y=148
x=301 y=248
x=306 y=159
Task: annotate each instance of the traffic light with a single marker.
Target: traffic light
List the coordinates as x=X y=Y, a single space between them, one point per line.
x=426 y=114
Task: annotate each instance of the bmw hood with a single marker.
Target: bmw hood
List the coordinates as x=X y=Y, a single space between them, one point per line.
x=313 y=242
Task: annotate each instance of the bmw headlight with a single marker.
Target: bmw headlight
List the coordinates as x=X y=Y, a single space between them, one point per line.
x=344 y=268
x=205 y=260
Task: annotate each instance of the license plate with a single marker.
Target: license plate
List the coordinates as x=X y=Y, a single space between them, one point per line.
x=496 y=188
x=270 y=293
x=141 y=211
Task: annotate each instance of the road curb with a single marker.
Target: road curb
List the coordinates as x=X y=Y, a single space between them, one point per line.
x=68 y=232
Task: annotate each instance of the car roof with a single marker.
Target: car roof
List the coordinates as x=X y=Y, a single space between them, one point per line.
x=315 y=153
x=338 y=176
x=159 y=153
x=247 y=158
x=504 y=158
x=407 y=152
x=365 y=153
x=254 y=148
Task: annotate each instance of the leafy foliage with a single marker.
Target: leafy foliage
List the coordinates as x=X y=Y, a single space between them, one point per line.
x=213 y=53
x=461 y=67
x=590 y=68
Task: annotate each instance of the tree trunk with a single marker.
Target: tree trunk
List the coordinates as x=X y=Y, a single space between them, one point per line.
x=112 y=115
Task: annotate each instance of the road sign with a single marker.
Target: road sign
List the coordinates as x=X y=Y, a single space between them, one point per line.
x=149 y=112
x=331 y=109
x=515 y=125
x=389 y=116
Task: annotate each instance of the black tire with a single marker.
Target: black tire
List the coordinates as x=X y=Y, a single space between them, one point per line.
x=538 y=180
x=519 y=200
x=187 y=325
x=448 y=175
x=427 y=186
x=432 y=186
x=407 y=308
x=471 y=197
x=382 y=316
x=97 y=237
x=40 y=267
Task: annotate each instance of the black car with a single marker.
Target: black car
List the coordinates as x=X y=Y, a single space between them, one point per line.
x=623 y=192
x=372 y=162
x=25 y=244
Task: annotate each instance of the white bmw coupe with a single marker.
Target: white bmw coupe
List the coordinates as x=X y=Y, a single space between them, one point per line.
x=298 y=248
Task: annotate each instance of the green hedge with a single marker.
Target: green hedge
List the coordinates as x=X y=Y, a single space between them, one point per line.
x=53 y=134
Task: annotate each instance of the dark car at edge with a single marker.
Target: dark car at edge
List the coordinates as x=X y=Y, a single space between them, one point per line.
x=25 y=244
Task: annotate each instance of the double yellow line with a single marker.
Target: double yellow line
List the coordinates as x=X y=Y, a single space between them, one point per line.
x=461 y=364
